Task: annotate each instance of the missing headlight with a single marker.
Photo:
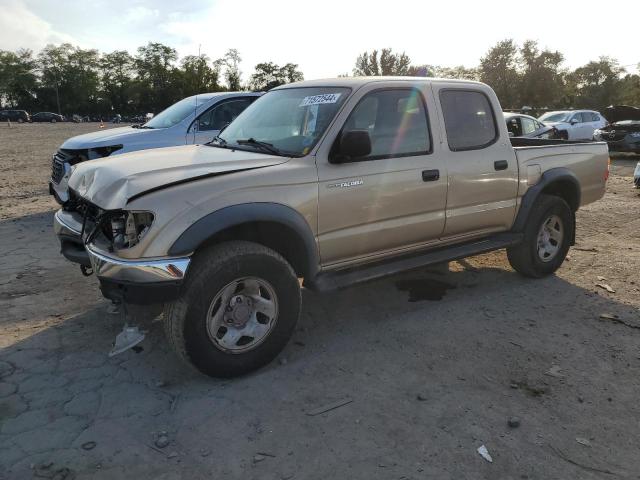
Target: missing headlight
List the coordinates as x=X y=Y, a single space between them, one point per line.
x=128 y=228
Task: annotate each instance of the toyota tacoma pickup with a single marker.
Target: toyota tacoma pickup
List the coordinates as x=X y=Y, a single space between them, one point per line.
x=322 y=184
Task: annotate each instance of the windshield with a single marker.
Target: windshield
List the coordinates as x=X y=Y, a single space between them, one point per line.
x=290 y=121
x=174 y=114
x=555 y=117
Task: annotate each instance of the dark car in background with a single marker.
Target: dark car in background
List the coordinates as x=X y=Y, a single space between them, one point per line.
x=47 y=117
x=622 y=134
x=19 y=116
x=525 y=126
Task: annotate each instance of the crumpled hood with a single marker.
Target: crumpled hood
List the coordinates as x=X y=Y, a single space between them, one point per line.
x=110 y=182
x=108 y=137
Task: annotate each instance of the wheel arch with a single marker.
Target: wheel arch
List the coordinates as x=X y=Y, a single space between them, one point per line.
x=273 y=225
x=560 y=182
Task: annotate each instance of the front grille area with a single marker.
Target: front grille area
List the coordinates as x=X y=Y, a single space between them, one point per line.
x=617 y=135
x=57 y=167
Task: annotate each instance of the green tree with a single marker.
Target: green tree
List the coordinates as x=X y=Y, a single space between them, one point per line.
x=199 y=75
x=382 y=63
x=156 y=76
x=630 y=88
x=597 y=84
x=232 y=74
x=499 y=69
x=268 y=75
x=117 y=71
x=542 y=78
x=18 y=80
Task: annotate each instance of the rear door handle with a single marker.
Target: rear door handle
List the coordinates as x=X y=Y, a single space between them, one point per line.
x=430 y=175
x=500 y=164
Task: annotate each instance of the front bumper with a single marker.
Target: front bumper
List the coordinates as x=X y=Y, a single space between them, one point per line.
x=68 y=229
x=138 y=281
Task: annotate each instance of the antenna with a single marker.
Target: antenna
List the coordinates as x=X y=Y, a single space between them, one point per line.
x=195 y=106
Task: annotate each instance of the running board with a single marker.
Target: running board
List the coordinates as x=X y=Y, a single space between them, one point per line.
x=337 y=279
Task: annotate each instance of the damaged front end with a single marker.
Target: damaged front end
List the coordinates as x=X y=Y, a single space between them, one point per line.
x=63 y=161
x=622 y=134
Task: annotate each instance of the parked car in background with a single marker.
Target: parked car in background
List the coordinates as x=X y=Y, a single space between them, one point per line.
x=196 y=119
x=19 y=116
x=47 y=117
x=623 y=132
x=526 y=126
x=574 y=124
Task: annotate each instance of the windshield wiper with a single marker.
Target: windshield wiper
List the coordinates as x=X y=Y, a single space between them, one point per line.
x=141 y=126
x=268 y=147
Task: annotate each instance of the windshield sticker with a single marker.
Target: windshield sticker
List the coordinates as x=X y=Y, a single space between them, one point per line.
x=320 y=99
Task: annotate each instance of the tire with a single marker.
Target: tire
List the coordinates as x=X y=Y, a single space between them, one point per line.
x=527 y=258
x=53 y=120
x=212 y=273
x=20 y=120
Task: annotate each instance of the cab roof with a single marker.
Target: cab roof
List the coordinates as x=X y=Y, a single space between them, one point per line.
x=355 y=82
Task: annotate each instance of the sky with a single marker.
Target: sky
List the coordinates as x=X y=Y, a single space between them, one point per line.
x=325 y=38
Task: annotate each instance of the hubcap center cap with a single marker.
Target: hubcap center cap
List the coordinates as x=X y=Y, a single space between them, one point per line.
x=241 y=310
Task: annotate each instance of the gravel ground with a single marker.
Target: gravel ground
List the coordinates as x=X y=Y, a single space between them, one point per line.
x=418 y=385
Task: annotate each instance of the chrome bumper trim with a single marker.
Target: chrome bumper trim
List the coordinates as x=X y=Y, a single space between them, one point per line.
x=137 y=271
x=63 y=226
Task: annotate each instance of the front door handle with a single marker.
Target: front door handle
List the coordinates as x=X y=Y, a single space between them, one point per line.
x=500 y=164
x=430 y=175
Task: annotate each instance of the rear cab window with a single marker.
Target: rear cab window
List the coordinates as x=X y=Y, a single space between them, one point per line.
x=470 y=122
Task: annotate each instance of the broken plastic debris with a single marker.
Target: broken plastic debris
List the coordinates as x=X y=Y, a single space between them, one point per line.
x=128 y=338
x=583 y=441
x=484 y=453
x=554 y=371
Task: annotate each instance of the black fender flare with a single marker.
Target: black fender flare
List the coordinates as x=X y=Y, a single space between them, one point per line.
x=213 y=223
x=548 y=179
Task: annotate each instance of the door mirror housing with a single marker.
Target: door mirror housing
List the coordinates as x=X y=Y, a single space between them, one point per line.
x=574 y=121
x=353 y=144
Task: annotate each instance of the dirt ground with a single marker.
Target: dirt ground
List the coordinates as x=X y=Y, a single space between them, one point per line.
x=421 y=384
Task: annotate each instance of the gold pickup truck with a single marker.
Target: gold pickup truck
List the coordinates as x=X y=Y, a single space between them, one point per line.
x=322 y=183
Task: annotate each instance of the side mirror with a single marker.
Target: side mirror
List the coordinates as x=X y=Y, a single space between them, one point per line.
x=573 y=121
x=353 y=144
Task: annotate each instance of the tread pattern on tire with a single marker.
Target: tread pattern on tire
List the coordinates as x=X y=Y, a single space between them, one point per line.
x=202 y=264
x=523 y=257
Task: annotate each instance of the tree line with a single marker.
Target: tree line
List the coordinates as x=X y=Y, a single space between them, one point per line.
x=68 y=79
x=524 y=75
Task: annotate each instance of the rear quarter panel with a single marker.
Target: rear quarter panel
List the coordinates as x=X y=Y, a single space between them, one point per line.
x=588 y=161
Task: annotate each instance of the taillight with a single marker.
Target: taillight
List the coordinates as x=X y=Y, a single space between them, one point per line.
x=606 y=174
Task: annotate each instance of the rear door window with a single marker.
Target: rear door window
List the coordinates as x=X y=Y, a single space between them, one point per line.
x=469 y=119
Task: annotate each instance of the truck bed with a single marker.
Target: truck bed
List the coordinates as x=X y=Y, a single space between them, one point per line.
x=589 y=161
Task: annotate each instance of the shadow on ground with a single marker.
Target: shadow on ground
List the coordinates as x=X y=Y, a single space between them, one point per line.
x=429 y=381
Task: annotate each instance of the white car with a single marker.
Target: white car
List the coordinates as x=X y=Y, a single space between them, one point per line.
x=192 y=120
x=574 y=124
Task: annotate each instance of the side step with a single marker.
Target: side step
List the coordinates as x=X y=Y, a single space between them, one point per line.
x=350 y=276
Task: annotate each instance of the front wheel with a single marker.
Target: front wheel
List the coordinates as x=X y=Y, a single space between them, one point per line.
x=547 y=238
x=239 y=306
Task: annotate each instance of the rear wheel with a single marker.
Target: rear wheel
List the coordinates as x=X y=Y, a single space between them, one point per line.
x=547 y=238
x=240 y=304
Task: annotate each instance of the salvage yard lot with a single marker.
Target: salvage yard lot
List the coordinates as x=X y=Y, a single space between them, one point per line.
x=421 y=383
